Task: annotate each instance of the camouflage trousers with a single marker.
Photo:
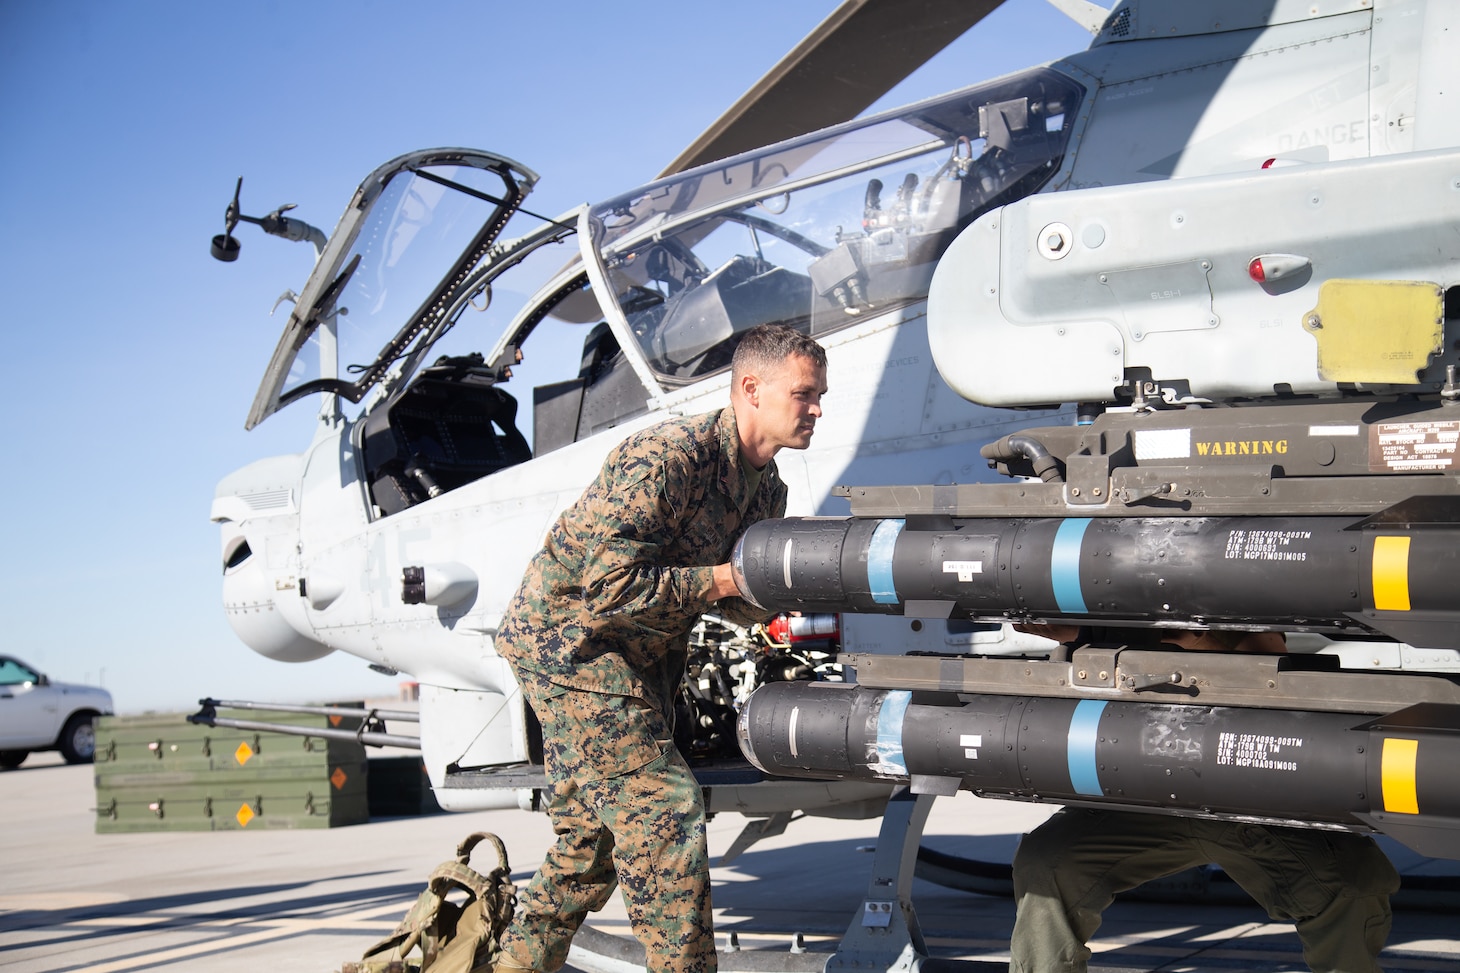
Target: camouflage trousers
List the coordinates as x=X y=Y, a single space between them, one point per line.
x=630 y=823
x=1334 y=886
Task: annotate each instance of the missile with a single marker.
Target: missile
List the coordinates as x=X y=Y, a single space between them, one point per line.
x=1299 y=573
x=1340 y=770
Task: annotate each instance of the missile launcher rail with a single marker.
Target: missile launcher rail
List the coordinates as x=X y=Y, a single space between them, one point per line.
x=1334 y=517
x=1339 y=518
x=1298 y=682
x=1304 y=458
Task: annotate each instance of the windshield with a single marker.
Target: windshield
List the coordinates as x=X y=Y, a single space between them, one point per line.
x=414 y=232
x=15 y=673
x=819 y=231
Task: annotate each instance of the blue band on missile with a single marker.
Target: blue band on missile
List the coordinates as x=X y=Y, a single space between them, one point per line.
x=1064 y=565
x=1084 y=727
x=879 y=561
x=890 y=759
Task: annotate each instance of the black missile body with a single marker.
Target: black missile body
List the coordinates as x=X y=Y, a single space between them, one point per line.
x=1323 y=574
x=1345 y=770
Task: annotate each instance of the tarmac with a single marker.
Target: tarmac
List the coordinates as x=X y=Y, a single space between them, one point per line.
x=284 y=901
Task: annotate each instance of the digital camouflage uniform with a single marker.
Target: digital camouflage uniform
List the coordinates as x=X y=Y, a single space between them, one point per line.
x=1334 y=886
x=597 y=635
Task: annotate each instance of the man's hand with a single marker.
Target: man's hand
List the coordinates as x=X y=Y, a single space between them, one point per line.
x=724 y=586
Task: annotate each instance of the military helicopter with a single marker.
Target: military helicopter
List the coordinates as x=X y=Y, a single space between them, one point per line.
x=1244 y=277
x=450 y=434
x=1214 y=254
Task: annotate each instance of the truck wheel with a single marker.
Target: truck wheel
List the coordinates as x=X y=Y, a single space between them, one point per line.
x=78 y=739
x=10 y=759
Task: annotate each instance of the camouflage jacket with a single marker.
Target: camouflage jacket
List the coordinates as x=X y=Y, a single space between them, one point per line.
x=608 y=603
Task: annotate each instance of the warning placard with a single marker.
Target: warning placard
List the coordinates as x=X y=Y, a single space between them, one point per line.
x=1413 y=447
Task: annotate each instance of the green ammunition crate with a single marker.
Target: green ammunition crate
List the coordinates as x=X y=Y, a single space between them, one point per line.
x=210 y=806
x=161 y=773
x=343 y=778
x=141 y=744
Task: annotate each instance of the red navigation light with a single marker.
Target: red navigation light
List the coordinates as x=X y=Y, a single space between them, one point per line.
x=1268 y=267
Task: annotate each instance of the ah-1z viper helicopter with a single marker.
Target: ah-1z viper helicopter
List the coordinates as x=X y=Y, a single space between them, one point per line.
x=1224 y=235
x=403 y=529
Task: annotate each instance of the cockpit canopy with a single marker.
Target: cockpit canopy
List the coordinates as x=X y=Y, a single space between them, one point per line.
x=819 y=231
x=415 y=230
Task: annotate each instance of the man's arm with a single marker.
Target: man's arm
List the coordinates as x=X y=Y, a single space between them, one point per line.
x=636 y=511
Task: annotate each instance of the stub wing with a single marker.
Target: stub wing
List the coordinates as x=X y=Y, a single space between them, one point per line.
x=1216 y=287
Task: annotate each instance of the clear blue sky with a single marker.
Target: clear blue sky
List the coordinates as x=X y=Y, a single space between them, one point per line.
x=132 y=356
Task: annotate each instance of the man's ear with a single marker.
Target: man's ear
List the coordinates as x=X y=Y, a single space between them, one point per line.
x=750 y=388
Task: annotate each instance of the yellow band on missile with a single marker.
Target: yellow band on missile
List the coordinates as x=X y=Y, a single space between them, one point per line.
x=1396 y=769
x=1391 y=573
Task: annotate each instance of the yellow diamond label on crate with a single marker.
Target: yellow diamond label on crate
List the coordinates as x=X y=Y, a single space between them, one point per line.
x=338 y=778
x=244 y=815
x=243 y=753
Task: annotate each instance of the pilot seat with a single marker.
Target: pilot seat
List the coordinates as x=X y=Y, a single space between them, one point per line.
x=450 y=426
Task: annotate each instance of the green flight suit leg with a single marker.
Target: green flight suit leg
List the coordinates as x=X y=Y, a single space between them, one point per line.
x=1333 y=886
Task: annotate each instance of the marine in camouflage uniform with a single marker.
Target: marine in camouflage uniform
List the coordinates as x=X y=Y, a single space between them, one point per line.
x=597 y=636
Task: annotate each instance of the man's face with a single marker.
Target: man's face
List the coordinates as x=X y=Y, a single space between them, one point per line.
x=790 y=402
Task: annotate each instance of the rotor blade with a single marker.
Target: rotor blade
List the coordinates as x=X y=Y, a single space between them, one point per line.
x=851 y=59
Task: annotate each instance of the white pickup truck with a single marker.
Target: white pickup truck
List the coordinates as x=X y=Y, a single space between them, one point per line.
x=39 y=714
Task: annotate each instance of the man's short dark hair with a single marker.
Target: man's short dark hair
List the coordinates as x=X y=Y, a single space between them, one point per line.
x=766 y=346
